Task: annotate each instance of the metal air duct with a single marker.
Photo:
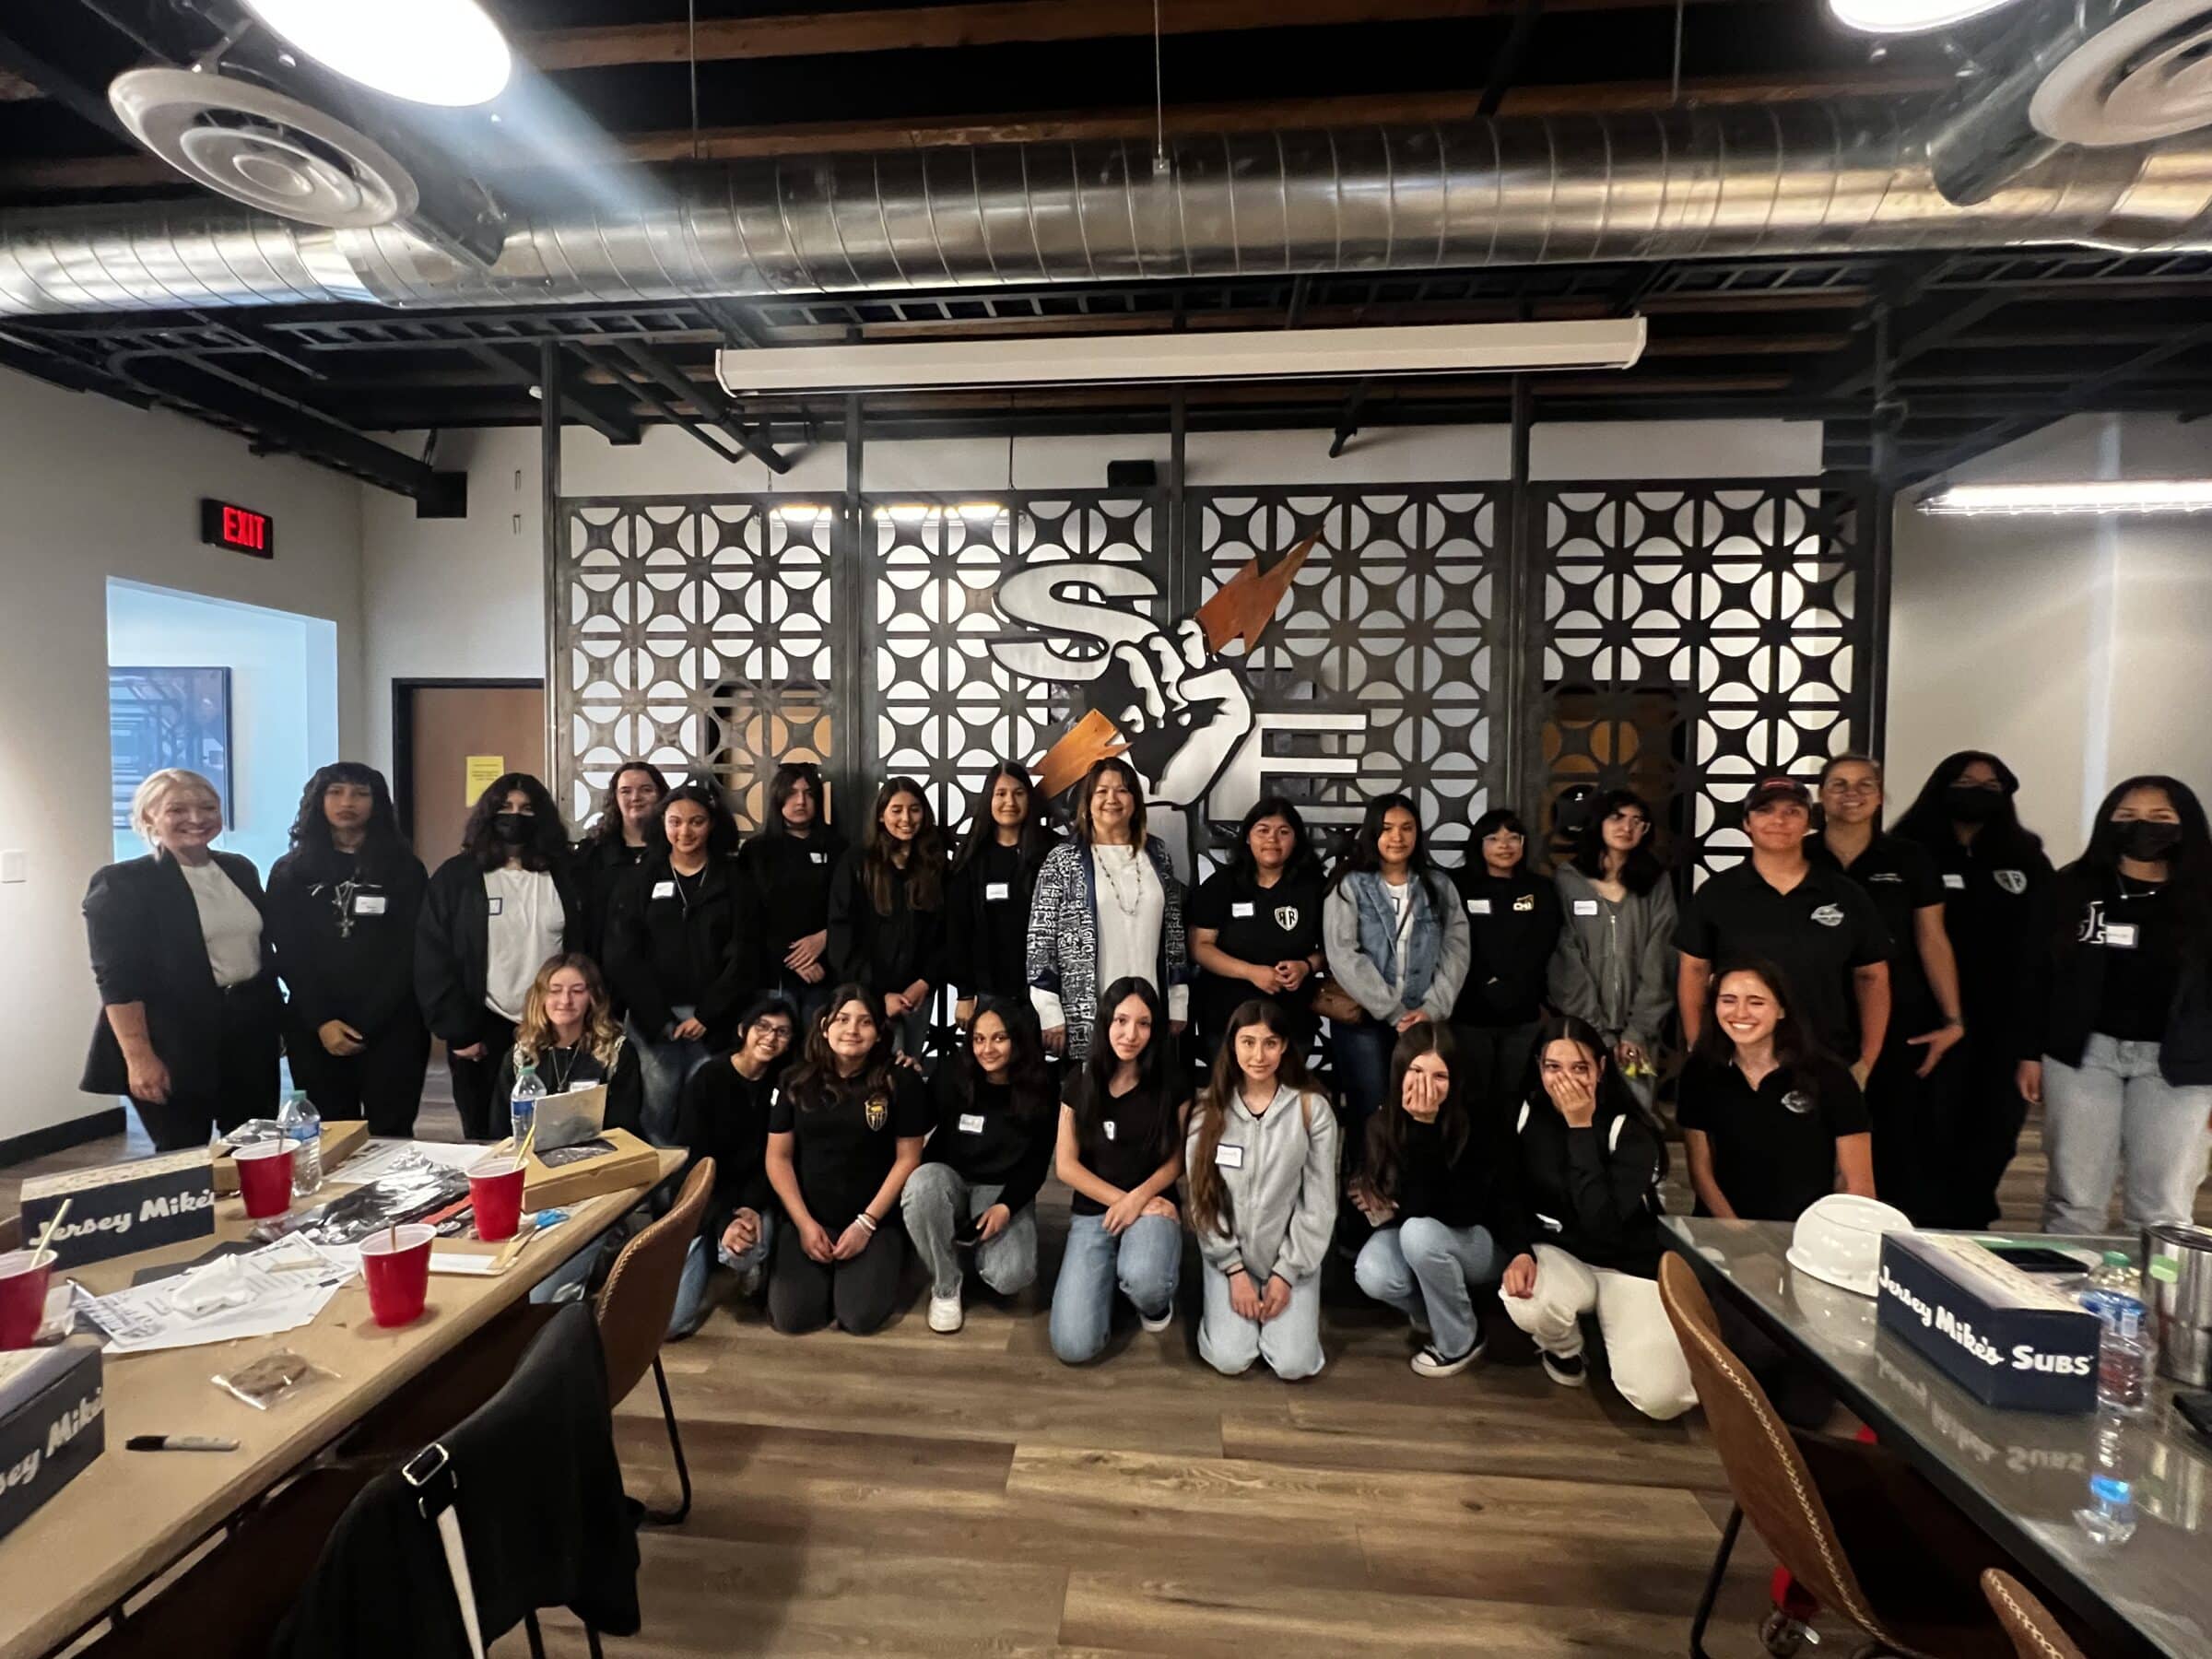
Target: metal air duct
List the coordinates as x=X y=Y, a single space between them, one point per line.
x=1724 y=183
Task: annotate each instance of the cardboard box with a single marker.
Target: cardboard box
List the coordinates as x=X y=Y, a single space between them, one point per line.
x=340 y=1142
x=53 y=1424
x=570 y=1178
x=120 y=1209
x=2007 y=1338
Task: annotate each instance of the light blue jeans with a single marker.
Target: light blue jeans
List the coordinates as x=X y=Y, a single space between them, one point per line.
x=934 y=1201
x=1290 y=1342
x=2116 y=1107
x=1426 y=1271
x=691 y=1288
x=663 y=1065
x=1145 y=1262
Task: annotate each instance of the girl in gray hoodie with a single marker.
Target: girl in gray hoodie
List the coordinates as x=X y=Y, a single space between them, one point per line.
x=1262 y=1163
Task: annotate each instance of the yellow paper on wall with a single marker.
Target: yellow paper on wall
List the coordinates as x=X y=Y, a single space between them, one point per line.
x=483 y=770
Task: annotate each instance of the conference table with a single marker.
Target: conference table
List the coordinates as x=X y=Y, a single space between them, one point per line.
x=2019 y=1474
x=131 y=1516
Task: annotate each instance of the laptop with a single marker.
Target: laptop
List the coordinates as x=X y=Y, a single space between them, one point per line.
x=564 y=1119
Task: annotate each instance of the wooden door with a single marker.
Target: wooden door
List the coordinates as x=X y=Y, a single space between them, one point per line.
x=439 y=730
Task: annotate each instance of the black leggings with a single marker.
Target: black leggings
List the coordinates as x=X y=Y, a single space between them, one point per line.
x=805 y=1294
x=474 y=1085
x=383 y=1083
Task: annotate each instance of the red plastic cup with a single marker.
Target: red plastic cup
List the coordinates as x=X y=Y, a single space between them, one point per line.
x=23 y=1296
x=398 y=1273
x=495 y=1192
x=264 y=1177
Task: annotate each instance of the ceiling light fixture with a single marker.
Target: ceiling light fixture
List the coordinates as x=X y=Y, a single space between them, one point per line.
x=2133 y=495
x=1908 y=17
x=1274 y=354
x=432 y=51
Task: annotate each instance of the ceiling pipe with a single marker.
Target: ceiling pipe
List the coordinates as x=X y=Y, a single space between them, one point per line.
x=1748 y=181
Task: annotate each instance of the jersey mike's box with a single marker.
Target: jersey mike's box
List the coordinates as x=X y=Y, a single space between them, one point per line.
x=52 y=1423
x=120 y=1209
x=2005 y=1337
x=607 y=1162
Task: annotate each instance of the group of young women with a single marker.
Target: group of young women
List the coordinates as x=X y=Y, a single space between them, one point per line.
x=1863 y=1010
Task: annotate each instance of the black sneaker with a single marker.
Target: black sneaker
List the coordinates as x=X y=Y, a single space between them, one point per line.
x=1433 y=1361
x=1568 y=1371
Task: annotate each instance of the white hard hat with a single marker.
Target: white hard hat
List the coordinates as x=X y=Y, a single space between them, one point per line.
x=1839 y=1240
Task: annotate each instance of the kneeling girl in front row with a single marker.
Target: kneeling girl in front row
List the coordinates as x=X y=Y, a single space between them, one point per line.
x=1262 y=1153
x=978 y=1183
x=843 y=1136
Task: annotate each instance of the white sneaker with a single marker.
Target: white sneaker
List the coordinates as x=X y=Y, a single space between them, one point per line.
x=945 y=1314
x=1159 y=1324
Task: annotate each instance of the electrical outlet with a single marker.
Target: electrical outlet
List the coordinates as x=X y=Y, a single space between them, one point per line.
x=14 y=865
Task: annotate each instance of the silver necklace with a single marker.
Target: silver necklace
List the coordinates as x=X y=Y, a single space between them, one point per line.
x=1127 y=903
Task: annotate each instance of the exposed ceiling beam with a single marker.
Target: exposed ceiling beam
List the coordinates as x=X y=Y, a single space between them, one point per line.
x=25 y=68
x=614 y=427
x=992 y=23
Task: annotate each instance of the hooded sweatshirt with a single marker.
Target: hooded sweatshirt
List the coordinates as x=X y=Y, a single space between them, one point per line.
x=1280 y=1171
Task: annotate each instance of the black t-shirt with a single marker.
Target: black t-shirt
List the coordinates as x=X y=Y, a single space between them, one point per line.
x=1902 y=880
x=1128 y=1138
x=725 y=1116
x=1774 y=1148
x=2142 y=961
x=848 y=1142
x=985 y=1141
x=1816 y=933
x=1258 y=925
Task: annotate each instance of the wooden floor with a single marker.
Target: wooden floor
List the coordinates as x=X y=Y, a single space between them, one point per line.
x=911 y=1494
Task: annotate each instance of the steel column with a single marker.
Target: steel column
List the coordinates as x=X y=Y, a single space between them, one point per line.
x=550 y=377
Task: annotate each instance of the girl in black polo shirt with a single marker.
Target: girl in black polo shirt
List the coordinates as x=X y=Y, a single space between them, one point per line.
x=1255 y=926
x=844 y=1133
x=1771 y=1123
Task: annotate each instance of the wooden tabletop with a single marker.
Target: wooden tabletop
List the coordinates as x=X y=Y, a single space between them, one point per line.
x=132 y=1514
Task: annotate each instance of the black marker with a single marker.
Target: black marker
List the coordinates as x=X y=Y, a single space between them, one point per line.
x=178 y=1442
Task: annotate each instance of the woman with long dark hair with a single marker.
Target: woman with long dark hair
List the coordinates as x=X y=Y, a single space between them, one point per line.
x=1262 y=1153
x=569 y=1035
x=987 y=1157
x=1995 y=876
x=1770 y=1122
x=491 y=916
x=342 y=909
x=1396 y=941
x=887 y=911
x=1591 y=1162
x=1513 y=929
x=627 y=829
x=2120 y=1013
x=683 y=947
x=843 y=1137
x=724 y=1117
x=1614 y=965
x=1255 y=924
x=1108 y=906
x=1119 y=1148
x=1915 y=1090
x=987 y=893
x=1439 y=1188
x=790 y=862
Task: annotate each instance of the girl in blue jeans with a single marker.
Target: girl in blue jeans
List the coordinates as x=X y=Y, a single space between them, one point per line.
x=1444 y=1200
x=1121 y=1149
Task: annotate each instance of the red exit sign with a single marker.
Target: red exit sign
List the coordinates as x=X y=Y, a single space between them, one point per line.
x=240 y=529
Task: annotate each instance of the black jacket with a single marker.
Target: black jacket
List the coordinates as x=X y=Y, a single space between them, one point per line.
x=884 y=953
x=544 y=1522
x=792 y=876
x=1479 y=1188
x=598 y=871
x=697 y=943
x=2066 y=984
x=344 y=933
x=1593 y=1192
x=987 y=940
x=144 y=932
x=1513 y=929
x=625 y=1086
x=452 y=941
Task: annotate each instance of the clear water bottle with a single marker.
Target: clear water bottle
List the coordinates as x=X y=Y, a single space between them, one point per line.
x=302 y=1126
x=2124 y=1350
x=2110 y=1517
x=522 y=1104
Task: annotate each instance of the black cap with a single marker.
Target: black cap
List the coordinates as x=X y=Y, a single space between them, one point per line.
x=1777 y=788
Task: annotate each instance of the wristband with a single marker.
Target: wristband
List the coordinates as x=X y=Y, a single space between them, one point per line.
x=867 y=1220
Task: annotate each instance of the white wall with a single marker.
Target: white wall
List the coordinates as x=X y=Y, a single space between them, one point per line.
x=2078 y=648
x=95 y=489
x=462 y=597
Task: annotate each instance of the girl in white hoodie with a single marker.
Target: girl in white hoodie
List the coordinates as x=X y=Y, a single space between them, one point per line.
x=1262 y=1162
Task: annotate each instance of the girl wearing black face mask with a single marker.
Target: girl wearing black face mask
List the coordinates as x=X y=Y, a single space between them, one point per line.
x=1995 y=876
x=2122 y=992
x=493 y=913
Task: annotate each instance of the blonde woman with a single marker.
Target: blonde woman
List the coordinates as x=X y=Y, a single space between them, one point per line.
x=569 y=1033
x=190 y=1017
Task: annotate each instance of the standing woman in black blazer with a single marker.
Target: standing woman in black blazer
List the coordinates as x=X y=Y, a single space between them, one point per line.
x=987 y=896
x=494 y=912
x=343 y=907
x=190 y=1017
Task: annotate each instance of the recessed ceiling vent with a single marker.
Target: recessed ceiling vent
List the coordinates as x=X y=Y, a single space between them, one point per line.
x=2147 y=76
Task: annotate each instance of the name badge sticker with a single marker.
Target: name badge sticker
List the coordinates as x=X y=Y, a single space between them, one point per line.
x=367 y=904
x=971 y=1123
x=1479 y=906
x=1241 y=906
x=2120 y=936
x=664 y=889
x=499 y=905
x=1108 y=1127
x=1230 y=1157
x=1956 y=882
x=1585 y=906
x=997 y=892
x=819 y=857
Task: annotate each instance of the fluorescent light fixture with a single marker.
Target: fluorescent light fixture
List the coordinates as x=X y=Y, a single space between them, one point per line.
x=432 y=52
x=1272 y=354
x=2133 y=495
x=1908 y=17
